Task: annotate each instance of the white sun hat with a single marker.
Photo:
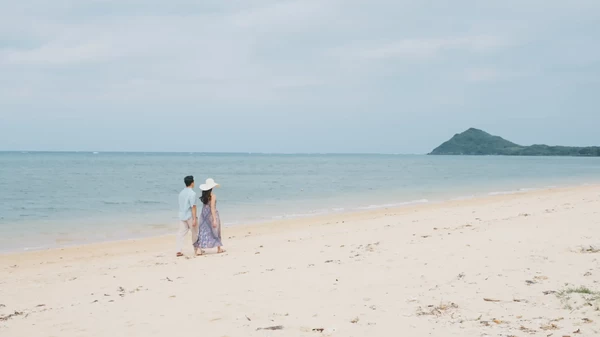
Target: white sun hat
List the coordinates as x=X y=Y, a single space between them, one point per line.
x=209 y=185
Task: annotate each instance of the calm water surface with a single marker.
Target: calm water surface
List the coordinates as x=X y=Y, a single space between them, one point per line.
x=55 y=199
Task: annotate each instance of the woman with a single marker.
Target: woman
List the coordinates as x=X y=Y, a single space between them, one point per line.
x=209 y=235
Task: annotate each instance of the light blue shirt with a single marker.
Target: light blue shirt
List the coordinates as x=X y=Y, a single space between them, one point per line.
x=187 y=200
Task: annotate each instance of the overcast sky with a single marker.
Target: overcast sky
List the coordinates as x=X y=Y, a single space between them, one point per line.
x=384 y=76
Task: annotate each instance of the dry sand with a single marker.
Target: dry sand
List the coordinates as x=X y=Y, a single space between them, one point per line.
x=415 y=271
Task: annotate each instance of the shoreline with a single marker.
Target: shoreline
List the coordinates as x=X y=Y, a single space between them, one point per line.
x=292 y=187
x=300 y=221
x=143 y=234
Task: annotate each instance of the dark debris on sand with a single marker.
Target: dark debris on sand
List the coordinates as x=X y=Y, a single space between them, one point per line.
x=9 y=316
x=277 y=327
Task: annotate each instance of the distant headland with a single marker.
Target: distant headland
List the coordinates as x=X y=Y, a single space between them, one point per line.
x=478 y=142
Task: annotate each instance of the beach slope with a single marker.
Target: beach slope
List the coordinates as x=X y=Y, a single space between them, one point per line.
x=526 y=264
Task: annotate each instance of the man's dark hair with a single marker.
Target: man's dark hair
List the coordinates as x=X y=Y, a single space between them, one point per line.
x=188 y=180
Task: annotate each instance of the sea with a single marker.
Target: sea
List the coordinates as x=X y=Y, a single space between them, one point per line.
x=50 y=200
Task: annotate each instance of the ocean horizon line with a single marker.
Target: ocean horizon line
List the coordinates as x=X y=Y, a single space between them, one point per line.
x=213 y=153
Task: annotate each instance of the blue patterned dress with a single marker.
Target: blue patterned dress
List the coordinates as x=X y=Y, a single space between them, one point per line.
x=208 y=237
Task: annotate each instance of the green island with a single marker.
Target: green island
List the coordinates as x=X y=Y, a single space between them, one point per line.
x=478 y=142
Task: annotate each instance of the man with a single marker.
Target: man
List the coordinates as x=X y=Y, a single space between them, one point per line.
x=187 y=214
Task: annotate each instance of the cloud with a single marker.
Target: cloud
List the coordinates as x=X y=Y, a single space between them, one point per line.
x=163 y=57
x=284 y=15
x=59 y=55
x=430 y=47
x=490 y=74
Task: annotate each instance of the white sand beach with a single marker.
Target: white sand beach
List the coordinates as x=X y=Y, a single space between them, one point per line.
x=526 y=264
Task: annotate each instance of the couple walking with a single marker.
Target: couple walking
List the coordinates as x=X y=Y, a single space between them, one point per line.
x=206 y=234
